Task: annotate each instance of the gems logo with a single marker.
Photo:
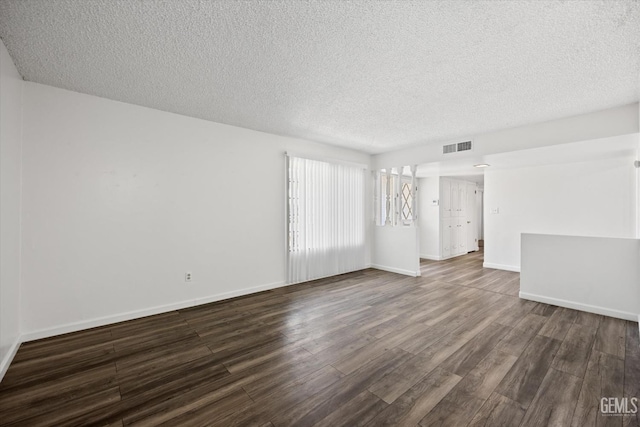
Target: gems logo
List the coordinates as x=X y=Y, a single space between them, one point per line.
x=619 y=406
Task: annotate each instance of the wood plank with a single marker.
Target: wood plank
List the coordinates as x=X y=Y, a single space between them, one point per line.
x=611 y=337
x=470 y=354
x=545 y=310
x=573 y=355
x=369 y=352
x=261 y=355
x=140 y=359
x=281 y=398
x=588 y=319
x=632 y=371
x=401 y=379
x=559 y=324
x=521 y=335
x=51 y=396
x=341 y=351
x=61 y=344
x=526 y=375
x=141 y=381
x=16 y=378
x=183 y=407
x=517 y=313
x=202 y=411
x=604 y=378
x=73 y=411
x=357 y=412
x=498 y=411
x=164 y=392
x=414 y=404
x=467 y=397
x=143 y=325
x=330 y=399
x=264 y=380
x=239 y=345
x=555 y=401
x=43 y=391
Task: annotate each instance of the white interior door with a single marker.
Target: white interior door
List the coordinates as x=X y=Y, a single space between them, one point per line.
x=445 y=198
x=472 y=220
x=455 y=199
x=461 y=236
x=462 y=199
x=480 y=213
x=446 y=237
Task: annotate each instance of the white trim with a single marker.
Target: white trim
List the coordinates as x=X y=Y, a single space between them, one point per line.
x=431 y=257
x=581 y=306
x=396 y=270
x=8 y=358
x=501 y=266
x=328 y=275
x=107 y=320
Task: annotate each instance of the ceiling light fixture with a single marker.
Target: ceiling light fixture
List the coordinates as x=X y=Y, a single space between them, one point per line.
x=481 y=165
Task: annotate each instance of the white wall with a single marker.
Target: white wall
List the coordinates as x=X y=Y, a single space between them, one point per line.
x=10 y=163
x=600 y=124
x=595 y=274
x=638 y=199
x=638 y=190
x=395 y=249
x=594 y=198
x=429 y=217
x=120 y=201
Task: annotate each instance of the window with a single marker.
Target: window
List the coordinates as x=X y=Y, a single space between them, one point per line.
x=394 y=198
x=326 y=233
x=407 y=202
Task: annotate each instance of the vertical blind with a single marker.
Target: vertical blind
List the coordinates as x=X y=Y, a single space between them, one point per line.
x=326 y=229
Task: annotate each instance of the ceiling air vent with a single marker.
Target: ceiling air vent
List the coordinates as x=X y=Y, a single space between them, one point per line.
x=454 y=148
x=464 y=146
x=451 y=148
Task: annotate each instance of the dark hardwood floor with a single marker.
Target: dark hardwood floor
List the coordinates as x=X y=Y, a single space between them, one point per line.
x=454 y=347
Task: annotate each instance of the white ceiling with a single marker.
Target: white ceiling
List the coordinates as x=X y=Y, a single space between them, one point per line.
x=369 y=75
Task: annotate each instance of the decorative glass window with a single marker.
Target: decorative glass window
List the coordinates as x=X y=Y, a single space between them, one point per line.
x=407 y=202
x=394 y=197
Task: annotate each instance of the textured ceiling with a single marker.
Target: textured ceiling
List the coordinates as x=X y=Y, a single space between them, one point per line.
x=369 y=75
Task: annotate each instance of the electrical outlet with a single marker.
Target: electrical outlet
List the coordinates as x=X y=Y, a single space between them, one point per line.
x=188 y=277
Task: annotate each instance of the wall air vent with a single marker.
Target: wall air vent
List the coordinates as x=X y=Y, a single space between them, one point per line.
x=464 y=146
x=451 y=148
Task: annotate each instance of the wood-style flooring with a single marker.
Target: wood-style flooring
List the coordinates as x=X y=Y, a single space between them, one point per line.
x=455 y=347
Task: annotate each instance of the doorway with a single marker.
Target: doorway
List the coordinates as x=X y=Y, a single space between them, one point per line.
x=451 y=218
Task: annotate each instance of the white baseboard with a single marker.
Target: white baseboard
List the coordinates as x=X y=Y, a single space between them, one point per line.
x=396 y=270
x=501 y=266
x=8 y=358
x=107 y=320
x=431 y=257
x=580 y=306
